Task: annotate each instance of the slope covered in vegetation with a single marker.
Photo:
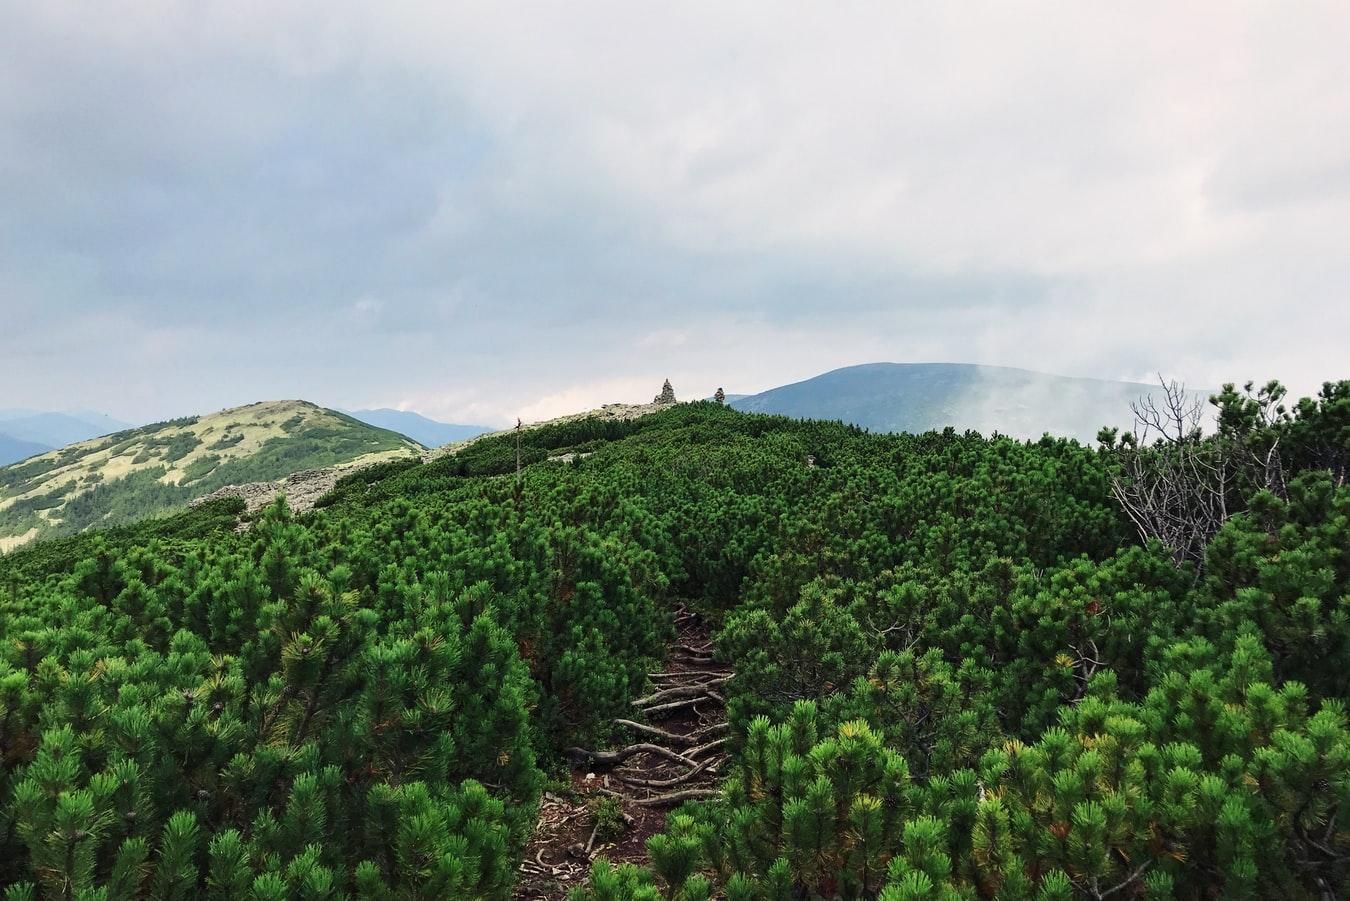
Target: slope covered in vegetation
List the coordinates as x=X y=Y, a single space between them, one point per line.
x=958 y=671
x=139 y=472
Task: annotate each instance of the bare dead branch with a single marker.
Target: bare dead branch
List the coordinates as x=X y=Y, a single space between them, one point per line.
x=684 y=741
x=614 y=758
x=688 y=794
x=671 y=782
x=698 y=690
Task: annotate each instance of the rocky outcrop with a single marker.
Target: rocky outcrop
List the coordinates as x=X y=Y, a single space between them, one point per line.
x=667 y=395
x=569 y=457
x=720 y=396
x=302 y=489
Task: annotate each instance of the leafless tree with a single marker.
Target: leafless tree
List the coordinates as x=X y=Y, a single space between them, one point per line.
x=1172 y=483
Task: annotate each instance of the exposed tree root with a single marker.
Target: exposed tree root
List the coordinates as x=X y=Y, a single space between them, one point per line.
x=694 y=753
x=697 y=690
x=690 y=698
x=702 y=649
x=614 y=758
x=710 y=763
x=689 y=794
x=669 y=737
x=675 y=762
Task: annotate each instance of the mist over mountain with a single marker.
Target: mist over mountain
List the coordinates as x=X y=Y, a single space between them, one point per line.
x=12 y=450
x=916 y=397
x=26 y=433
x=54 y=429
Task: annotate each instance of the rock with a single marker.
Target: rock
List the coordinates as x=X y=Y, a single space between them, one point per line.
x=720 y=396
x=667 y=395
x=569 y=457
x=302 y=489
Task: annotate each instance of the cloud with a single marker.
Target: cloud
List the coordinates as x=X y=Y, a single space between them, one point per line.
x=490 y=211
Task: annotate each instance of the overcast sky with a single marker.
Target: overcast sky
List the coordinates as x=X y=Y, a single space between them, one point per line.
x=487 y=210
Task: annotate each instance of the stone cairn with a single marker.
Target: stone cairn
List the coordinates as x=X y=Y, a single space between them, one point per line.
x=720 y=396
x=667 y=395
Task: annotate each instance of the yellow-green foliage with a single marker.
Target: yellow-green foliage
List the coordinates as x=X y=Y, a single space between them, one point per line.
x=143 y=471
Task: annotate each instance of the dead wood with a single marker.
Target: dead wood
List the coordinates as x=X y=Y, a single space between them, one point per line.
x=706 y=695
x=614 y=758
x=688 y=794
x=684 y=741
x=703 y=749
x=697 y=690
x=687 y=674
x=711 y=762
x=692 y=649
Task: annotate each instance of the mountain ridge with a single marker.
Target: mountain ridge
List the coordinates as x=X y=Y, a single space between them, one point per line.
x=147 y=470
x=14 y=450
x=918 y=397
x=424 y=430
x=49 y=430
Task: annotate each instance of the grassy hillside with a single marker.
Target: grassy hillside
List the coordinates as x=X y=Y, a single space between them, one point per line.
x=143 y=471
x=916 y=397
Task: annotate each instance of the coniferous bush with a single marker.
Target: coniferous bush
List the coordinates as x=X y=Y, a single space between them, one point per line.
x=957 y=672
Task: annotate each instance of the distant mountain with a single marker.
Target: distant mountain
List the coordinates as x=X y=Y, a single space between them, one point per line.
x=147 y=470
x=12 y=449
x=57 y=429
x=917 y=397
x=425 y=431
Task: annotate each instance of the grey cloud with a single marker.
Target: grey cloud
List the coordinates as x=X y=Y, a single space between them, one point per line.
x=478 y=208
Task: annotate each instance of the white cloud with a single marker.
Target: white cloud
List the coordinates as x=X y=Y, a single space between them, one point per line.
x=525 y=208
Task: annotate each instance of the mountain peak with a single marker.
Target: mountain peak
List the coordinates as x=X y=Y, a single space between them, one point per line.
x=141 y=471
x=917 y=397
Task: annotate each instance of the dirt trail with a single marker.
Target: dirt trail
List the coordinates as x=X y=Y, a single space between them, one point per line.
x=678 y=733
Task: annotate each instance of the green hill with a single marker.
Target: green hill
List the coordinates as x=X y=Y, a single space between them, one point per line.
x=916 y=397
x=143 y=471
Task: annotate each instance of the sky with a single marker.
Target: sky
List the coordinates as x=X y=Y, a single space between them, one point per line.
x=487 y=210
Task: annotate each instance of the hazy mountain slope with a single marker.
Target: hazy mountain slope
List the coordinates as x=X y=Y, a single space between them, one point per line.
x=157 y=467
x=57 y=429
x=12 y=449
x=916 y=397
x=428 y=432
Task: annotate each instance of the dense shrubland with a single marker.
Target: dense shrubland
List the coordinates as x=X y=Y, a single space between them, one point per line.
x=960 y=672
